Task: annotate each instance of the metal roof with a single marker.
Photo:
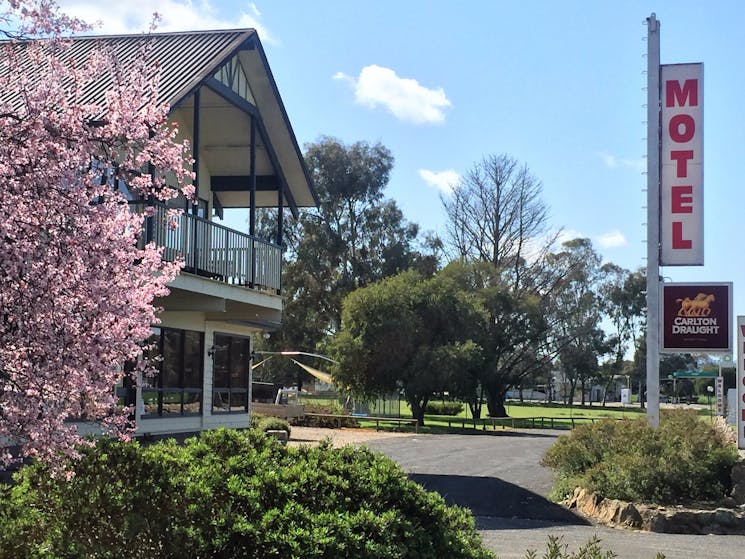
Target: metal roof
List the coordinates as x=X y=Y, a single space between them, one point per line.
x=185 y=60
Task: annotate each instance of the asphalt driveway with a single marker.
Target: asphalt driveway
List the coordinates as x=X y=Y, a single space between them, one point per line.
x=498 y=477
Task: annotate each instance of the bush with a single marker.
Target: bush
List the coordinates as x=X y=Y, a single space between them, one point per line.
x=684 y=460
x=273 y=424
x=556 y=549
x=230 y=494
x=444 y=408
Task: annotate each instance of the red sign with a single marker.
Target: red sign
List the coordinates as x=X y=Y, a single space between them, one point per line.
x=682 y=165
x=741 y=382
x=696 y=317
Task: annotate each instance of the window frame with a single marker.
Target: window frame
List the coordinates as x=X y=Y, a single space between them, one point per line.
x=155 y=383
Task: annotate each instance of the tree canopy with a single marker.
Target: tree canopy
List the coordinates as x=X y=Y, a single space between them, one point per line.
x=407 y=332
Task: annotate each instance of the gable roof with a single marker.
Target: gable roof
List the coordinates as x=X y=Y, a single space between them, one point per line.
x=186 y=60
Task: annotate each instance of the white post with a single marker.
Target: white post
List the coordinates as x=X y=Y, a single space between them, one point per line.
x=653 y=221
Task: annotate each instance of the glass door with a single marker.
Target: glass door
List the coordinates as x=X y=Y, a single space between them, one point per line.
x=230 y=374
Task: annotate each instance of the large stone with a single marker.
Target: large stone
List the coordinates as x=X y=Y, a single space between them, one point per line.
x=738 y=483
x=628 y=515
x=672 y=520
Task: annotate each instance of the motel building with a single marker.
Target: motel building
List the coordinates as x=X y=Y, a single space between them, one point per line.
x=222 y=94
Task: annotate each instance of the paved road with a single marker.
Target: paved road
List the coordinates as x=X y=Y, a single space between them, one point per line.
x=498 y=477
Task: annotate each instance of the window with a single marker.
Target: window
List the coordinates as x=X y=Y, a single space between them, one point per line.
x=230 y=374
x=176 y=387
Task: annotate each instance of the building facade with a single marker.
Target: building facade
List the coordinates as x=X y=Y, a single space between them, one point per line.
x=224 y=98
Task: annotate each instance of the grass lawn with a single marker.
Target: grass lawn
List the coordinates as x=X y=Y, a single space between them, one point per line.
x=521 y=415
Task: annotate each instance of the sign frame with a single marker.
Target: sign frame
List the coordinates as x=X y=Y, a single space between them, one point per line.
x=726 y=321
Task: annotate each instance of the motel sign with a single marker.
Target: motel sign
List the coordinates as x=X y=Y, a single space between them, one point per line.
x=681 y=162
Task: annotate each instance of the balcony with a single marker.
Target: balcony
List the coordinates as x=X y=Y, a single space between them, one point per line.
x=213 y=251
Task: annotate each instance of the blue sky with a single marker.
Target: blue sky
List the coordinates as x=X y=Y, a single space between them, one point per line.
x=557 y=85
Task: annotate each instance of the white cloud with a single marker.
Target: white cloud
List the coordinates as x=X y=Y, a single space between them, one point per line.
x=405 y=98
x=444 y=181
x=613 y=162
x=612 y=239
x=134 y=16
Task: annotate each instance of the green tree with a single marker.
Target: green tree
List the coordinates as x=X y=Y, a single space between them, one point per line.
x=623 y=301
x=514 y=336
x=355 y=236
x=579 y=339
x=408 y=332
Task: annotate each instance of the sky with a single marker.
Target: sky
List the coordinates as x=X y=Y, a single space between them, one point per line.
x=557 y=85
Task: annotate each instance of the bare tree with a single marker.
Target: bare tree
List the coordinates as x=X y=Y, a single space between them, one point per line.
x=496 y=215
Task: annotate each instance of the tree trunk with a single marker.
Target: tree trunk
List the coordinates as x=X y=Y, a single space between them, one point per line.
x=582 y=389
x=417 y=409
x=495 y=402
x=476 y=405
x=642 y=399
x=572 y=388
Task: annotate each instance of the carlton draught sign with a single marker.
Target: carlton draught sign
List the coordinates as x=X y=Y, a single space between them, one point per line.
x=696 y=317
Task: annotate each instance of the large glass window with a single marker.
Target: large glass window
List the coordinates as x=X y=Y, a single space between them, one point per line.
x=176 y=387
x=230 y=374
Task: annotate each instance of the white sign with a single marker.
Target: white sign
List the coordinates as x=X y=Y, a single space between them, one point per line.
x=625 y=396
x=682 y=165
x=732 y=407
x=741 y=382
x=720 y=395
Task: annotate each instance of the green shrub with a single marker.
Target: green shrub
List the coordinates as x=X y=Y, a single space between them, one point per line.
x=684 y=460
x=556 y=549
x=230 y=494
x=273 y=424
x=444 y=408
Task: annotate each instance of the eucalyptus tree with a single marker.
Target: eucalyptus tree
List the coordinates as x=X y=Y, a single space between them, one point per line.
x=579 y=339
x=623 y=302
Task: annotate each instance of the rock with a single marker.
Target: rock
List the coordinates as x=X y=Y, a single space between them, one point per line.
x=278 y=434
x=653 y=518
x=725 y=517
x=628 y=515
x=738 y=483
x=729 y=503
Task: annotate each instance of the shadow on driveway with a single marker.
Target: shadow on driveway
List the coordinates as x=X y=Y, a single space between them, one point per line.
x=492 y=497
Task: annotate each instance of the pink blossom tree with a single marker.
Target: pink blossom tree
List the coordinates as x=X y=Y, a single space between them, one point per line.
x=76 y=283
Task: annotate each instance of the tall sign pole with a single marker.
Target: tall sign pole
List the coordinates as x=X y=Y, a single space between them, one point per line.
x=653 y=221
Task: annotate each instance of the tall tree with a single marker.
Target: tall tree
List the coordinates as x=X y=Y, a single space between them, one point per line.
x=622 y=300
x=355 y=237
x=410 y=332
x=578 y=315
x=76 y=292
x=497 y=220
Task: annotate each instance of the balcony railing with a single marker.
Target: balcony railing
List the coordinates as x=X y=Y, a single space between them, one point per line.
x=212 y=250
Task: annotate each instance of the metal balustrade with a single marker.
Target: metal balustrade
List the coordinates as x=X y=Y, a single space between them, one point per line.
x=212 y=250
